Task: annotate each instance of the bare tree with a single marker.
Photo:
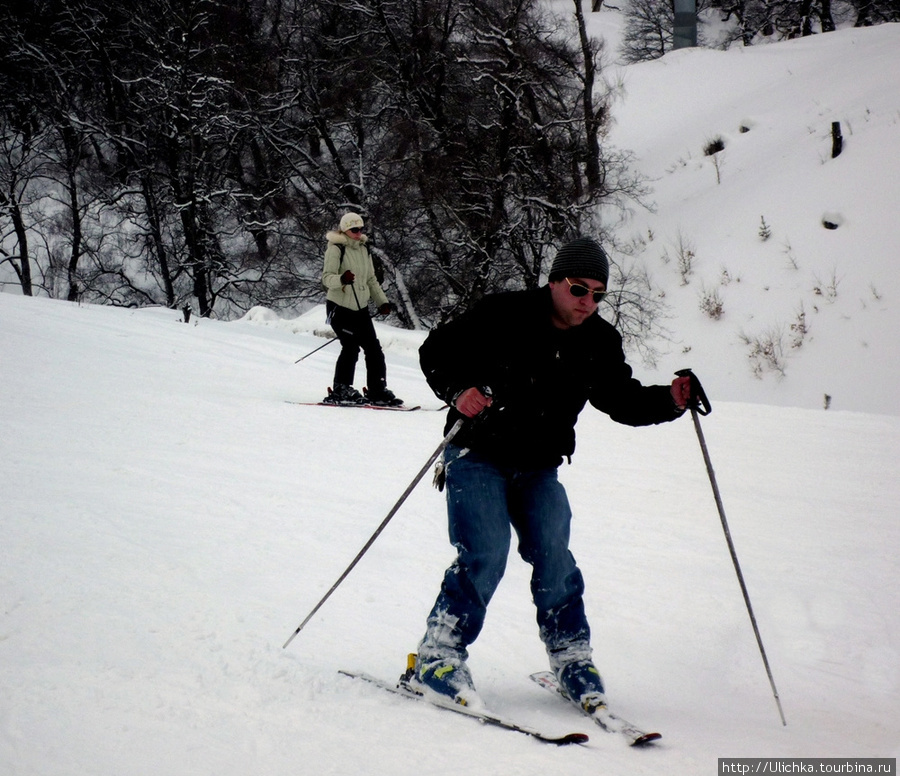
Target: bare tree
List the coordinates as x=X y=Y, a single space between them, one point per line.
x=19 y=171
x=196 y=151
x=649 y=26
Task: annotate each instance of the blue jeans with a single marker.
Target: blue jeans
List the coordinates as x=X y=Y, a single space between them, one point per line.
x=483 y=501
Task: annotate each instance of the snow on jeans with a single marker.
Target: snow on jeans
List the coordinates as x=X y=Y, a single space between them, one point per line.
x=483 y=500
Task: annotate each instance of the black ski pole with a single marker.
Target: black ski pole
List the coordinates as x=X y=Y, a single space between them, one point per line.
x=700 y=406
x=440 y=448
x=332 y=339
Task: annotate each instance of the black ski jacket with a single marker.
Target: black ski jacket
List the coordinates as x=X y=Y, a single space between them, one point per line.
x=541 y=378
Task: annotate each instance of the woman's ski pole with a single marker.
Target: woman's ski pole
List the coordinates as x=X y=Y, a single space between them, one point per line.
x=333 y=339
x=440 y=448
x=700 y=406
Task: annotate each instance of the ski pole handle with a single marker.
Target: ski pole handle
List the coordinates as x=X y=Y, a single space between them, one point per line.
x=699 y=401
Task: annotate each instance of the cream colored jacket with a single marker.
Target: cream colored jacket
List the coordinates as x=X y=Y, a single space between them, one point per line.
x=359 y=262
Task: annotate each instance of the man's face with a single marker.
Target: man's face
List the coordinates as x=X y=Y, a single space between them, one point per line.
x=572 y=309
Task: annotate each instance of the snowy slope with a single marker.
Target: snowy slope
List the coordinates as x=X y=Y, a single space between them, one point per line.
x=773 y=107
x=168 y=519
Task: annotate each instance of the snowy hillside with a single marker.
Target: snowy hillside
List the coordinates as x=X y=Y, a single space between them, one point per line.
x=825 y=299
x=168 y=518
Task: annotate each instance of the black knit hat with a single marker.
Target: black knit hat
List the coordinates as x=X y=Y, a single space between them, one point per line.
x=580 y=258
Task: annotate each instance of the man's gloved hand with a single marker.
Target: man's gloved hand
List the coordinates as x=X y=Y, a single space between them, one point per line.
x=471 y=401
x=681 y=392
x=385 y=309
x=347 y=278
x=688 y=392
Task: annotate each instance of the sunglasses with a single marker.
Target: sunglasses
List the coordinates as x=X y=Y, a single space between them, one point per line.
x=355 y=229
x=576 y=289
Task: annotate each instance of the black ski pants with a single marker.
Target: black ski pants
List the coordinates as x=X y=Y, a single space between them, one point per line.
x=356 y=332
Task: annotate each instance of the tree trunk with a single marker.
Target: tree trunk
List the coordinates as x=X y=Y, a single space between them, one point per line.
x=592 y=118
x=805 y=25
x=159 y=247
x=863 y=18
x=23 y=268
x=827 y=18
x=409 y=309
x=77 y=237
x=196 y=257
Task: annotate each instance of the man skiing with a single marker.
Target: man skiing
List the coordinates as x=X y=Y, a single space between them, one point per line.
x=522 y=365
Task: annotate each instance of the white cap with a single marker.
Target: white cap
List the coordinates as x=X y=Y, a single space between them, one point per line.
x=351 y=221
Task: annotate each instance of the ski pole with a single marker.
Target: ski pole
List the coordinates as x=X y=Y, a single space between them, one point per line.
x=700 y=406
x=333 y=339
x=440 y=448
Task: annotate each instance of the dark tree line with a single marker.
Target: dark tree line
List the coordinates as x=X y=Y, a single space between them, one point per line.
x=195 y=152
x=649 y=24
x=782 y=19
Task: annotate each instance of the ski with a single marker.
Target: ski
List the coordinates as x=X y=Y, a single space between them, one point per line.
x=403 y=689
x=391 y=408
x=610 y=722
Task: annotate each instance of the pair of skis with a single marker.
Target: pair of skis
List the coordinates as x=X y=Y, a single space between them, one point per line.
x=365 y=406
x=603 y=717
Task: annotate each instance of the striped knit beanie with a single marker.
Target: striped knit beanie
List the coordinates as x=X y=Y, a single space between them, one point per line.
x=580 y=258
